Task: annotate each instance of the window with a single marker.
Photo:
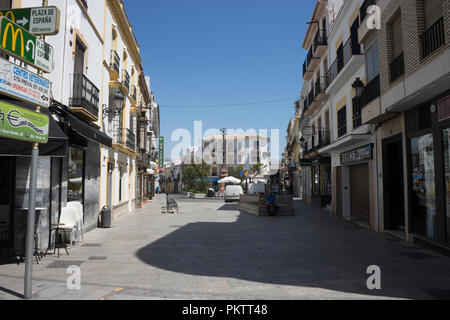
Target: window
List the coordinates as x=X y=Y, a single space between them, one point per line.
x=121 y=173
x=372 y=62
x=423 y=186
x=342 y=121
x=432 y=11
x=75 y=189
x=397 y=38
x=357 y=115
x=340 y=57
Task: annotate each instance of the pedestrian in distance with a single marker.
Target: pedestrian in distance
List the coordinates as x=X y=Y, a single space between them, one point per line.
x=272 y=207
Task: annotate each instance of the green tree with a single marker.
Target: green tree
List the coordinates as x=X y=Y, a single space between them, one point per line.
x=257 y=168
x=236 y=172
x=194 y=175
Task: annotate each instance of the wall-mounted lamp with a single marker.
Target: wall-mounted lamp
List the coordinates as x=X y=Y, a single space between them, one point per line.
x=358 y=86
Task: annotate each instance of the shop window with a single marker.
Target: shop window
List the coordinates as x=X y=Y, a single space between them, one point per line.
x=446 y=139
x=423 y=186
x=75 y=189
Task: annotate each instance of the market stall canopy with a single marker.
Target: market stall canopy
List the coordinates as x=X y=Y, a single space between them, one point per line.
x=232 y=180
x=57 y=140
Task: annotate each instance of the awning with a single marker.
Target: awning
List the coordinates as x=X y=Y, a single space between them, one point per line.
x=82 y=128
x=88 y=131
x=56 y=146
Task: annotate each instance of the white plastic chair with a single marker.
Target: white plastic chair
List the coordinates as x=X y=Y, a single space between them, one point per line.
x=80 y=223
x=69 y=219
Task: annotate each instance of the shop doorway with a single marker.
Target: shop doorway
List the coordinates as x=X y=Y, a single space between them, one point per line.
x=359 y=194
x=6 y=200
x=394 y=203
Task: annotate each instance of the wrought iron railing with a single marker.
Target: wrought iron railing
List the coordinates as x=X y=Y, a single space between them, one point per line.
x=118 y=136
x=126 y=79
x=397 y=67
x=320 y=39
x=115 y=61
x=84 y=94
x=350 y=49
x=320 y=86
x=433 y=38
x=133 y=92
x=308 y=60
x=371 y=91
x=131 y=142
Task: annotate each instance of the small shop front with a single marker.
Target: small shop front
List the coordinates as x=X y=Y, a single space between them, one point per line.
x=317 y=182
x=356 y=185
x=428 y=133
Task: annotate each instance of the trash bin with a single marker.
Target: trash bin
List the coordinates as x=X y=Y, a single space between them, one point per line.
x=106 y=218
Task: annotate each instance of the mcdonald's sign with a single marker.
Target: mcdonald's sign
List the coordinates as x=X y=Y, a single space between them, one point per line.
x=8 y=14
x=25 y=46
x=40 y=21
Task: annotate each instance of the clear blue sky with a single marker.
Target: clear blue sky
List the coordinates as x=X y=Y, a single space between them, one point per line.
x=211 y=52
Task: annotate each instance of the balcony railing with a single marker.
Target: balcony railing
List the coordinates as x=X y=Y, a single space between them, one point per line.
x=115 y=61
x=133 y=92
x=371 y=91
x=433 y=38
x=126 y=79
x=320 y=86
x=320 y=39
x=131 y=142
x=118 y=136
x=311 y=97
x=363 y=11
x=84 y=94
x=308 y=60
x=397 y=67
x=350 y=49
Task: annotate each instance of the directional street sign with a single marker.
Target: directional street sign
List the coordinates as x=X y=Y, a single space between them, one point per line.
x=39 y=21
x=25 y=46
x=23 y=124
x=21 y=84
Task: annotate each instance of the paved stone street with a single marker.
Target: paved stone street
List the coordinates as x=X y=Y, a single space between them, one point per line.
x=211 y=251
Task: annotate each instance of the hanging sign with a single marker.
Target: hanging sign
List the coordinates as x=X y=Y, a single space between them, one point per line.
x=23 y=124
x=40 y=21
x=25 y=46
x=161 y=152
x=24 y=85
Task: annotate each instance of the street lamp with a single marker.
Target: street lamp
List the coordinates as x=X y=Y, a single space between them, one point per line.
x=117 y=99
x=358 y=85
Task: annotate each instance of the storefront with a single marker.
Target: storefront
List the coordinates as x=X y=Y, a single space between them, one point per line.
x=15 y=163
x=428 y=133
x=356 y=185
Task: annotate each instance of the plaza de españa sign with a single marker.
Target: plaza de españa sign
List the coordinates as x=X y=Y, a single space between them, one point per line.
x=23 y=124
x=25 y=46
x=39 y=21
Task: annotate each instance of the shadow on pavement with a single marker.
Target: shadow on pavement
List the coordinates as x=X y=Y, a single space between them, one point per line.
x=312 y=249
x=230 y=207
x=12 y=293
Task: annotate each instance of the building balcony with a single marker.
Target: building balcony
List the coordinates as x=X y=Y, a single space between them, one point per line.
x=320 y=139
x=371 y=91
x=433 y=38
x=133 y=93
x=84 y=99
x=319 y=95
x=130 y=139
x=114 y=65
x=310 y=65
x=126 y=79
x=345 y=65
x=320 y=44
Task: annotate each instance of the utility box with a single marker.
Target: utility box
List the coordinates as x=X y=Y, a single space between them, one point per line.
x=106 y=218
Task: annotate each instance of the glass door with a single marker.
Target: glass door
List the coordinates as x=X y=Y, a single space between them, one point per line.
x=423 y=186
x=446 y=140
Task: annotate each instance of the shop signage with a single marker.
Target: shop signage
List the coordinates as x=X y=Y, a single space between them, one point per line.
x=23 y=124
x=24 y=85
x=305 y=163
x=316 y=162
x=357 y=155
x=25 y=46
x=161 y=152
x=444 y=109
x=41 y=21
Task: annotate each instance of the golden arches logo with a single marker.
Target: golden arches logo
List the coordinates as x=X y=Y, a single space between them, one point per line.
x=15 y=35
x=10 y=14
